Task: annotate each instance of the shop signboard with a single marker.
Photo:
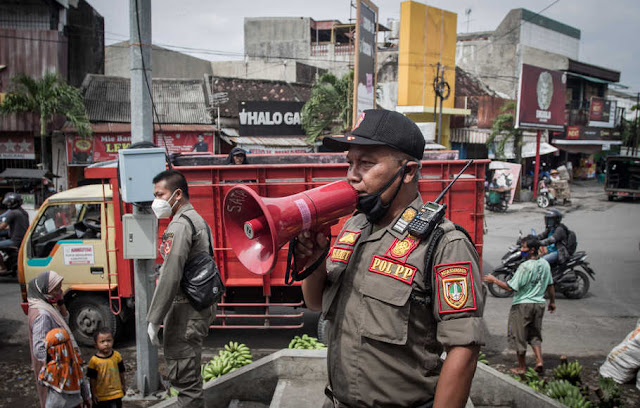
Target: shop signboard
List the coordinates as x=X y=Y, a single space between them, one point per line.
x=17 y=147
x=602 y=112
x=270 y=118
x=364 y=91
x=104 y=147
x=541 y=98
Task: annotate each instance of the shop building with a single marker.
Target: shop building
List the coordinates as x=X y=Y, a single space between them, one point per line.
x=182 y=122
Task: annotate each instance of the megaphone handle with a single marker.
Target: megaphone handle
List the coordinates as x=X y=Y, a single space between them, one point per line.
x=292 y=274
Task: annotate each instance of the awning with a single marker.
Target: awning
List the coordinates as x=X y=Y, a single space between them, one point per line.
x=529 y=149
x=265 y=145
x=590 y=78
x=26 y=174
x=474 y=136
x=433 y=146
x=585 y=146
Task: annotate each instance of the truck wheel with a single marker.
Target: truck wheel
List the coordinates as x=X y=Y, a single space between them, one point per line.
x=89 y=312
x=610 y=197
x=323 y=330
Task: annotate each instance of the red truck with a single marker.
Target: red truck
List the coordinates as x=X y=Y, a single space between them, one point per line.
x=78 y=233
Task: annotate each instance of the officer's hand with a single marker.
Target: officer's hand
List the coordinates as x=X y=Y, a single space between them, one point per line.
x=310 y=247
x=152 y=331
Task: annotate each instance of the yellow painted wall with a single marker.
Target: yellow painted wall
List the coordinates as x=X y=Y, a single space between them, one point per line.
x=427 y=36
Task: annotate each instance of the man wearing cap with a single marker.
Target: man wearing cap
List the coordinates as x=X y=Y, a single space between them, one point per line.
x=393 y=309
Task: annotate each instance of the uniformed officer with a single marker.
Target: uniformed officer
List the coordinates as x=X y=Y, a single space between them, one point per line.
x=392 y=309
x=184 y=327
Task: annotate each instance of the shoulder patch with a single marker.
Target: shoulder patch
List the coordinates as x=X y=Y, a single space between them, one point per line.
x=394 y=269
x=167 y=246
x=401 y=248
x=454 y=283
x=340 y=254
x=348 y=237
x=403 y=222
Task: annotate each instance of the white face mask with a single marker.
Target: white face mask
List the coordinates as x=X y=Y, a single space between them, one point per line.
x=161 y=208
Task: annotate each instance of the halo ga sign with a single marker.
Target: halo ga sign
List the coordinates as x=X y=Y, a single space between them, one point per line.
x=258 y=118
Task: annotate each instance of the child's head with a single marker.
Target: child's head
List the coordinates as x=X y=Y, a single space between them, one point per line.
x=103 y=339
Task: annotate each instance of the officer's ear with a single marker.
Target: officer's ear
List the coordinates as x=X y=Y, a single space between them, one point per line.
x=410 y=171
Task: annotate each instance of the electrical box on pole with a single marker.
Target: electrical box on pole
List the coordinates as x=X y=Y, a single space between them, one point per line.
x=137 y=168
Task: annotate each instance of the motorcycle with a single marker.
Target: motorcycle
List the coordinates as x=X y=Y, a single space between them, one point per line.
x=571 y=278
x=9 y=256
x=545 y=196
x=497 y=200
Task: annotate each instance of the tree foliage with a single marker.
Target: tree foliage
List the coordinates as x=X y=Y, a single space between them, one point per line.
x=504 y=125
x=329 y=108
x=47 y=97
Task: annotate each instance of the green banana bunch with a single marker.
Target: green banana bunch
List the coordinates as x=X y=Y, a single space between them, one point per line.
x=233 y=356
x=306 y=342
x=482 y=358
x=562 y=388
x=574 y=399
x=568 y=371
x=608 y=392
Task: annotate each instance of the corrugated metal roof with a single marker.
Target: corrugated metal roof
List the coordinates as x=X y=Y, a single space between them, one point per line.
x=177 y=101
x=268 y=141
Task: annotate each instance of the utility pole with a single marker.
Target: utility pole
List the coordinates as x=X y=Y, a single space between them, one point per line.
x=142 y=131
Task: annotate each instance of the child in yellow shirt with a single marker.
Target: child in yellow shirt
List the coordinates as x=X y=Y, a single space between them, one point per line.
x=106 y=372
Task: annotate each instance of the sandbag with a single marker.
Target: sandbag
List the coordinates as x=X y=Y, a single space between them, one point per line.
x=623 y=361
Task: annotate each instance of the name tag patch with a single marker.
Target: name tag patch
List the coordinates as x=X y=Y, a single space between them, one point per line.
x=454 y=283
x=401 y=248
x=348 y=238
x=394 y=269
x=341 y=254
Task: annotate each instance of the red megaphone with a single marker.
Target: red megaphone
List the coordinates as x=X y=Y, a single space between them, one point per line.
x=257 y=227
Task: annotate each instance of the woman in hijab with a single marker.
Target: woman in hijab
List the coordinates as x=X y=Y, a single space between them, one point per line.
x=46 y=312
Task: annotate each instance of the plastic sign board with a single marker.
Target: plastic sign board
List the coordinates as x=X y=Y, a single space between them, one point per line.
x=364 y=90
x=541 y=98
x=272 y=118
x=602 y=112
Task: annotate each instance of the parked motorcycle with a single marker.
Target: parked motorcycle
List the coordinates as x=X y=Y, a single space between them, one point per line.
x=545 y=195
x=497 y=200
x=570 y=278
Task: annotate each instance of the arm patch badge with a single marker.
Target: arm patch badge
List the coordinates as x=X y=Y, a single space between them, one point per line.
x=454 y=283
x=167 y=246
x=348 y=238
x=340 y=254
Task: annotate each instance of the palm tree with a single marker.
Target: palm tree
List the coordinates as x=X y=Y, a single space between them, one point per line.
x=330 y=106
x=47 y=98
x=504 y=125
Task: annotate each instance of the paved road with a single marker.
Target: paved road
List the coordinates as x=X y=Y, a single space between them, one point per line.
x=608 y=231
x=610 y=234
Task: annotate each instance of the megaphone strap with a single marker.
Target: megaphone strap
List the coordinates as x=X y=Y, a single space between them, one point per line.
x=292 y=274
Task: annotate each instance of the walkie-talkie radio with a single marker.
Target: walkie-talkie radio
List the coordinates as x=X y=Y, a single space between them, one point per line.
x=432 y=212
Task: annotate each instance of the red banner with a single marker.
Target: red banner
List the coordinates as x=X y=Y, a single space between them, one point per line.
x=541 y=100
x=17 y=147
x=573 y=132
x=104 y=147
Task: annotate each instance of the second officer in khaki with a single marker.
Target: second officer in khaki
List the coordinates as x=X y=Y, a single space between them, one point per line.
x=394 y=302
x=185 y=328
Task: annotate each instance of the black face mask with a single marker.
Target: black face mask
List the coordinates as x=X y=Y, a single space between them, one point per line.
x=371 y=204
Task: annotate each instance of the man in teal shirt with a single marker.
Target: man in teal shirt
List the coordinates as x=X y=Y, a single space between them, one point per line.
x=530 y=282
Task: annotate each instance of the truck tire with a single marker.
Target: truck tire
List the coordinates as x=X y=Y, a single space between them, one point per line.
x=89 y=312
x=323 y=330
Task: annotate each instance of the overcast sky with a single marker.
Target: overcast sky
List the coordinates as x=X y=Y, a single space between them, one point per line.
x=610 y=29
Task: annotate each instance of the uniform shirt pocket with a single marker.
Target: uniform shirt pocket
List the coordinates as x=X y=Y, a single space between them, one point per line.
x=385 y=308
x=335 y=274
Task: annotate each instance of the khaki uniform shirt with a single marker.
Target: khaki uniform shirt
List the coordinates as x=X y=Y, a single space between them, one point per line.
x=169 y=305
x=385 y=341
